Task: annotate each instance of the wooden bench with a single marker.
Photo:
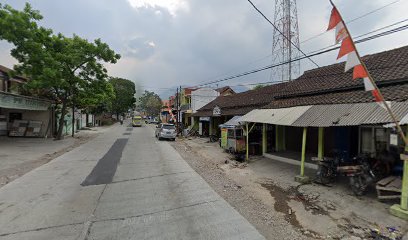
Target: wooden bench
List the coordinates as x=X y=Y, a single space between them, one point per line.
x=389 y=188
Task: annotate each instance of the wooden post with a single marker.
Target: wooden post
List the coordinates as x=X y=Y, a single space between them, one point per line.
x=264 y=138
x=302 y=164
x=247 y=142
x=283 y=138
x=302 y=178
x=277 y=138
x=404 y=189
x=320 y=149
x=210 y=128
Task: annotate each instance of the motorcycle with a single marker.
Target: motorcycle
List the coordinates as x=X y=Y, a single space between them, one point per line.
x=363 y=175
x=328 y=168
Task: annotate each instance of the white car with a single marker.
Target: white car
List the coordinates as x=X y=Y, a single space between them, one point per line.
x=166 y=131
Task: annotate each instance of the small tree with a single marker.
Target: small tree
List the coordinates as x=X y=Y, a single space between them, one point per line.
x=66 y=66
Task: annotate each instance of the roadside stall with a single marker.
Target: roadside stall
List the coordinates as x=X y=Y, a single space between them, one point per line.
x=232 y=137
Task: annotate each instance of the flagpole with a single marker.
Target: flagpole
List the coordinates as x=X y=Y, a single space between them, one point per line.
x=394 y=118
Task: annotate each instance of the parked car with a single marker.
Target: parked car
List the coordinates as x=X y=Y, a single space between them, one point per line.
x=166 y=131
x=151 y=121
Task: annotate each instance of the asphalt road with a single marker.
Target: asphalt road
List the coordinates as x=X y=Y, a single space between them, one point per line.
x=124 y=184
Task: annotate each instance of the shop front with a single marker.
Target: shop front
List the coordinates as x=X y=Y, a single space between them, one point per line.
x=22 y=116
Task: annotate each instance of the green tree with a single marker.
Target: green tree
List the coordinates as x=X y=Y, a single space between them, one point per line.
x=151 y=103
x=124 y=99
x=67 y=66
x=96 y=98
x=258 y=86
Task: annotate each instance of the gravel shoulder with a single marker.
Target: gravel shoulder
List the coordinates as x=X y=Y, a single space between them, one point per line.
x=266 y=194
x=271 y=224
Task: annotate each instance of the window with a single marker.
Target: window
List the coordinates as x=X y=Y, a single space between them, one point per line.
x=230 y=133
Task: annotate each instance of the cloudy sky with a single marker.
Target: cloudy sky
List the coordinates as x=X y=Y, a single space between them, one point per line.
x=167 y=43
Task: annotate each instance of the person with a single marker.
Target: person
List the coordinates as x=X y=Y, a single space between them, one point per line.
x=121 y=119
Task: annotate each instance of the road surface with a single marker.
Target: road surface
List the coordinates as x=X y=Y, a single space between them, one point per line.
x=124 y=184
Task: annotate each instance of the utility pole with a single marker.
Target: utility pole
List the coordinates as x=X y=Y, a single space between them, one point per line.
x=179 y=112
x=176 y=105
x=73 y=116
x=285 y=19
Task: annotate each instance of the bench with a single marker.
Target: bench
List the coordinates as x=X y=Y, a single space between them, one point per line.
x=389 y=188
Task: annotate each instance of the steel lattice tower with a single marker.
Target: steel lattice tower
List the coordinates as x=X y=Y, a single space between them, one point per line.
x=285 y=19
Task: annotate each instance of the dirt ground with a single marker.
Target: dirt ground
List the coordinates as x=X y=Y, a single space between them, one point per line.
x=12 y=171
x=264 y=192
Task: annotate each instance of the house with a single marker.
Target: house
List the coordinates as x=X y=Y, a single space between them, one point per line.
x=322 y=112
x=23 y=115
x=225 y=91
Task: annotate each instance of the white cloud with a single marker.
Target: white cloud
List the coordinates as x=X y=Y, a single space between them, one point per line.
x=172 y=6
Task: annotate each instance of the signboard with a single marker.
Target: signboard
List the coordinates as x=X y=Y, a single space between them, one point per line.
x=204 y=119
x=22 y=102
x=394 y=139
x=217 y=111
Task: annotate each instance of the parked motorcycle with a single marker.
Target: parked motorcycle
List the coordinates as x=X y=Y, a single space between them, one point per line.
x=363 y=175
x=214 y=138
x=327 y=170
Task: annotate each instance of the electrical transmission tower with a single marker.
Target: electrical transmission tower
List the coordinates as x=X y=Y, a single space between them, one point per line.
x=285 y=19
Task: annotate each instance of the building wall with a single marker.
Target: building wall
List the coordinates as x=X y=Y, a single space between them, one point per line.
x=43 y=116
x=201 y=97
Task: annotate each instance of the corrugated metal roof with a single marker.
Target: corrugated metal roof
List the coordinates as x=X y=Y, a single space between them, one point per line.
x=404 y=120
x=235 y=121
x=281 y=116
x=349 y=114
x=329 y=115
x=400 y=109
x=335 y=115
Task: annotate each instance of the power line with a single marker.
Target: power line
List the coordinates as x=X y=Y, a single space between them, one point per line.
x=322 y=51
x=354 y=19
x=310 y=38
x=277 y=29
x=365 y=34
x=371 y=12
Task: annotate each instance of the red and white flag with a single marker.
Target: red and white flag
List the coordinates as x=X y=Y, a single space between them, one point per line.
x=347 y=48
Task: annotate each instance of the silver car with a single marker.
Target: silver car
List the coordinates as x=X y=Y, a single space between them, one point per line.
x=166 y=131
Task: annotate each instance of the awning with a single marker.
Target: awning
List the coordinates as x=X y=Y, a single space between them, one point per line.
x=280 y=116
x=329 y=115
x=349 y=114
x=233 y=122
x=404 y=120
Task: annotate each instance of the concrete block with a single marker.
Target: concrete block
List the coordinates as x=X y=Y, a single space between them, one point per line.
x=302 y=179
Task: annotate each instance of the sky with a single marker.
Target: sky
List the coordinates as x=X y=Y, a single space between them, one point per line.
x=170 y=43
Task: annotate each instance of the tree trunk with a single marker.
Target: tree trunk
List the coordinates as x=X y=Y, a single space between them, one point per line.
x=61 y=121
x=87 y=118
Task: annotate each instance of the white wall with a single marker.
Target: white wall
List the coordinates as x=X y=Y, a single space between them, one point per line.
x=201 y=97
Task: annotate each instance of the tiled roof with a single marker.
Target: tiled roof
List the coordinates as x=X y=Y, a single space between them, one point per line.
x=396 y=93
x=386 y=68
x=187 y=91
x=223 y=89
